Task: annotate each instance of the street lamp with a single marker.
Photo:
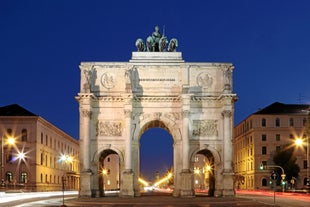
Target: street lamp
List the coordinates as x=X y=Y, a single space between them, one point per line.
x=10 y=141
x=300 y=142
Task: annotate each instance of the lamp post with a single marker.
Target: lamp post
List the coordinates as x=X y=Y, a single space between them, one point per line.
x=300 y=142
x=10 y=141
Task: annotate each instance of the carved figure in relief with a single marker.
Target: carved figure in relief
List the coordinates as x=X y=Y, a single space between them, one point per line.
x=205 y=128
x=88 y=74
x=204 y=80
x=108 y=80
x=109 y=128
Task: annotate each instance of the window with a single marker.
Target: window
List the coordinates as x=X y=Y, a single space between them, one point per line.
x=264 y=137
x=278 y=137
x=305 y=181
x=108 y=160
x=9 y=176
x=23 y=177
x=305 y=164
x=264 y=150
x=24 y=135
x=9 y=132
x=46 y=140
x=304 y=121
x=41 y=138
x=291 y=136
x=291 y=122
x=277 y=122
x=42 y=158
x=264 y=182
x=263 y=122
x=278 y=148
x=41 y=178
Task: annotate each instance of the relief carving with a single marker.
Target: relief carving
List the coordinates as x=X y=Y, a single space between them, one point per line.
x=109 y=128
x=204 y=80
x=108 y=80
x=173 y=116
x=86 y=113
x=205 y=128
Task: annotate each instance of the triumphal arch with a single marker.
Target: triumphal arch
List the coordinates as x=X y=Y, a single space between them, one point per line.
x=193 y=101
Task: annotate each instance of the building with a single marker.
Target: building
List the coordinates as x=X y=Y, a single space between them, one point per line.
x=119 y=101
x=36 y=155
x=259 y=136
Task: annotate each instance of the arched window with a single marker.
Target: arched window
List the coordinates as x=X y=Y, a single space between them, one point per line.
x=24 y=135
x=41 y=178
x=23 y=177
x=264 y=182
x=9 y=176
x=277 y=122
x=263 y=122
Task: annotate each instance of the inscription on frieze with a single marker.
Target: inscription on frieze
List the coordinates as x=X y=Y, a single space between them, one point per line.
x=109 y=128
x=205 y=128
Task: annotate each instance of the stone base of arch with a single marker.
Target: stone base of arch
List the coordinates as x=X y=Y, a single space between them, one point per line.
x=85 y=190
x=187 y=187
x=127 y=184
x=228 y=184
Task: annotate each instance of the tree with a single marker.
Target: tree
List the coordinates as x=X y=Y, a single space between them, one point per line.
x=286 y=159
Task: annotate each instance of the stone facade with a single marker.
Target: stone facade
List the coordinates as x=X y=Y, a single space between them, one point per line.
x=194 y=102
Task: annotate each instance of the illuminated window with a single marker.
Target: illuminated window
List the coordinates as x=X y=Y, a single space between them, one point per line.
x=23 y=177
x=9 y=176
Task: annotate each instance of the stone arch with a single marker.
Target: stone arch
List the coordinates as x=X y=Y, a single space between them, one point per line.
x=214 y=160
x=104 y=174
x=160 y=122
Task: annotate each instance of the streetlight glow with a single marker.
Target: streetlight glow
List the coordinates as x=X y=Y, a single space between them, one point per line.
x=299 y=142
x=11 y=140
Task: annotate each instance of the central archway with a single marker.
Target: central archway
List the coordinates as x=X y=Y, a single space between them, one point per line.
x=156 y=157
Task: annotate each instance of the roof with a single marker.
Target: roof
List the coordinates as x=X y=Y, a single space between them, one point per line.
x=15 y=110
x=281 y=108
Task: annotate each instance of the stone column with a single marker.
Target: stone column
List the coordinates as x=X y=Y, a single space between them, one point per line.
x=128 y=142
x=227 y=146
x=185 y=140
x=187 y=177
x=85 y=116
x=127 y=182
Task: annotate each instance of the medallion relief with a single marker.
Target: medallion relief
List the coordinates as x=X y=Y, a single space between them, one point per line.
x=109 y=128
x=108 y=80
x=205 y=128
x=204 y=80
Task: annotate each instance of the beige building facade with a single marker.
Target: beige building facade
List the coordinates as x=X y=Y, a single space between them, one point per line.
x=36 y=155
x=258 y=137
x=119 y=101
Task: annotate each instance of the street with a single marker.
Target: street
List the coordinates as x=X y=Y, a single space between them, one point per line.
x=243 y=198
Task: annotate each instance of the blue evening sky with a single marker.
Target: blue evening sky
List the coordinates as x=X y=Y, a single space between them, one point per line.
x=42 y=43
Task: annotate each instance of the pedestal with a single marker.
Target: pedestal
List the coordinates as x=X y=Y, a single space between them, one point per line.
x=187 y=186
x=127 y=186
x=228 y=182
x=85 y=189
